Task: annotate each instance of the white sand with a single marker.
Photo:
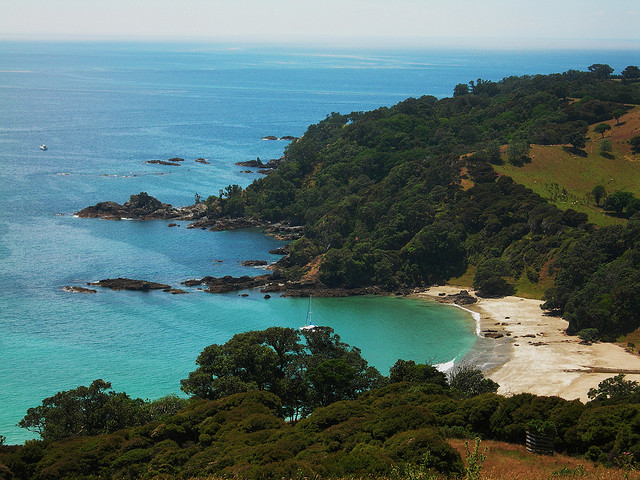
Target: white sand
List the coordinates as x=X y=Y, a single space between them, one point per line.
x=550 y=362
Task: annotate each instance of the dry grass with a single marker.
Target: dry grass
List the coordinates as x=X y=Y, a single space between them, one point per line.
x=506 y=461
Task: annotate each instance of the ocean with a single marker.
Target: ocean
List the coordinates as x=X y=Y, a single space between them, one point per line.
x=103 y=110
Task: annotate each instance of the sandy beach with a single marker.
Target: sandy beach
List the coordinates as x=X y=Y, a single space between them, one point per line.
x=535 y=355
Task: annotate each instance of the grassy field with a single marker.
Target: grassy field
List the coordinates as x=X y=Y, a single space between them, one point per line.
x=566 y=179
x=506 y=461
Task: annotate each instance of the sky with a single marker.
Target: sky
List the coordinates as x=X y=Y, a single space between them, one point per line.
x=571 y=23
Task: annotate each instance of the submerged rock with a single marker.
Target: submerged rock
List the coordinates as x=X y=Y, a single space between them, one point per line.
x=163 y=162
x=79 y=290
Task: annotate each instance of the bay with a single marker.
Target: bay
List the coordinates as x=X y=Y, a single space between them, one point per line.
x=104 y=109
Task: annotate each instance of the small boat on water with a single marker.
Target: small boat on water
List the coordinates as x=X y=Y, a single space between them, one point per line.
x=43 y=147
x=308 y=326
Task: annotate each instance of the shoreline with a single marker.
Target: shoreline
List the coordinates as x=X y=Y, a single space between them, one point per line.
x=536 y=355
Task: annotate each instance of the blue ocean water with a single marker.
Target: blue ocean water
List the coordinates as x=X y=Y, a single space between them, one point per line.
x=105 y=109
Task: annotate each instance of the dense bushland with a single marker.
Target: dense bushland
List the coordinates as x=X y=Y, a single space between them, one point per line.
x=393 y=197
x=402 y=425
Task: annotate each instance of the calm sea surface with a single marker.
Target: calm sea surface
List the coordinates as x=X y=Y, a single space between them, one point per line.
x=105 y=109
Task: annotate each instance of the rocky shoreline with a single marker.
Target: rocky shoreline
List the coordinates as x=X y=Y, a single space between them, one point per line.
x=266 y=284
x=145 y=207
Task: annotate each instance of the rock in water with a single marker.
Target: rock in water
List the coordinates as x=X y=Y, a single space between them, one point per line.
x=130 y=284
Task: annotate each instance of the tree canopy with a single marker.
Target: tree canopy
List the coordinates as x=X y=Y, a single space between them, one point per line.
x=305 y=369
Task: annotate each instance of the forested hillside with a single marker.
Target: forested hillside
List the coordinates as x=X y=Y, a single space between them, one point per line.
x=408 y=196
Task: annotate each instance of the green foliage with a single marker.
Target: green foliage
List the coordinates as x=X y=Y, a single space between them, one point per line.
x=394 y=430
x=490 y=279
x=601 y=128
x=517 y=152
x=540 y=427
x=605 y=147
x=475 y=459
x=631 y=74
x=467 y=380
x=597 y=282
x=320 y=371
x=588 y=334
x=84 y=411
x=618 y=202
x=616 y=390
x=378 y=192
x=635 y=144
x=409 y=371
x=601 y=71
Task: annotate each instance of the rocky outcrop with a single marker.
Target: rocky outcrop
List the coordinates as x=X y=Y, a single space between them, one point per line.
x=285 y=137
x=254 y=263
x=229 y=283
x=130 y=284
x=226 y=223
x=264 y=168
x=133 y=285
x=143 y=207
x=463 y=297
x=283 y=250
x=252 y=163
x=286 y=232
x=203 y=160
x=163 y=162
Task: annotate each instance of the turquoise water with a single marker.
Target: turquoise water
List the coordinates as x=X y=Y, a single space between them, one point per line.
x=103 y=110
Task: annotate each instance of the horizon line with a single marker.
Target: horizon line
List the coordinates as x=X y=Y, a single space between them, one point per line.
x=303 y=41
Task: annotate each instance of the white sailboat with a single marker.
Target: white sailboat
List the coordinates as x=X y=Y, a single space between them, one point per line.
x=308 y=326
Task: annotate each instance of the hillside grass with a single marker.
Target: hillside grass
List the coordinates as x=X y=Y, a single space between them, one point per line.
x=566 y=179
x=507 y=461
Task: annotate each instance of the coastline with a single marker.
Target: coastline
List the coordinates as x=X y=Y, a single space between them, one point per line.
x=535 y=355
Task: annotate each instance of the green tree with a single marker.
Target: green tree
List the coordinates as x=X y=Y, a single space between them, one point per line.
x=588 y=334
x=606 y=147
x=601 y=71
x=410 y=371
x=601 y=128
x=576 y=139
x=494 y=155
x=631 y=74
x=617 y=202
x=598 y=193
x=460 y=90
x=468 y=380
x=303 y=374
x=83 y=411
x=616 y=390
x=617 y=113
x=635 y=144
x=517 y=152
x=490 y=280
